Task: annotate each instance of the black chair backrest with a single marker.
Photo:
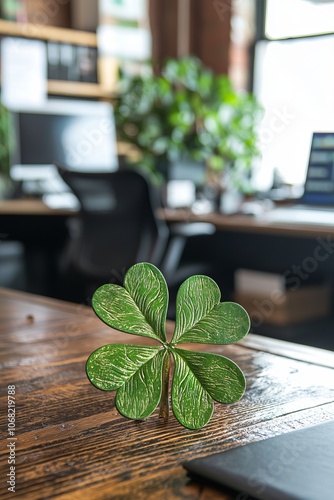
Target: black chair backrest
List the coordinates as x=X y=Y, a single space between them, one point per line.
x=118 y=226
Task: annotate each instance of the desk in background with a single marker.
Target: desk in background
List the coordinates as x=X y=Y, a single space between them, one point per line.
x=31 y=207
x=239 y=223
x=304 y=253
x=73 y=444
x=249 y=224
x=250 y=242
x=42 y=231
x=240 y=242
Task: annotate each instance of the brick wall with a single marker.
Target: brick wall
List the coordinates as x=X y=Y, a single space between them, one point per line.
x=209 y=31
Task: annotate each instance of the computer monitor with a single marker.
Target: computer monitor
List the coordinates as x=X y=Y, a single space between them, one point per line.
x=75 y=133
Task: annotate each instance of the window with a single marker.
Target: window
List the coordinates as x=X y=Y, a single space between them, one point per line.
x=296 y=18
x=293 y=79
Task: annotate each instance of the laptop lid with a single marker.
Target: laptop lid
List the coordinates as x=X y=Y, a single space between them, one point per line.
x=319 y=183
x=298 y=465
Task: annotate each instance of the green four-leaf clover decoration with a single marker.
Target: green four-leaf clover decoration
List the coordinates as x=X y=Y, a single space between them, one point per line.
x=140 y=374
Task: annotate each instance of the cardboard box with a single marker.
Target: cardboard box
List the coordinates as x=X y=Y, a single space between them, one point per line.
x=287 y=307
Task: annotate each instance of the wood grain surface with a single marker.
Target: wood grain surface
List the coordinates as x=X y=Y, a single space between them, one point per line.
x=72 y=443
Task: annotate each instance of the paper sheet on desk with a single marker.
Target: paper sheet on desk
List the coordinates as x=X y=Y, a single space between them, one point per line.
x=23 y=72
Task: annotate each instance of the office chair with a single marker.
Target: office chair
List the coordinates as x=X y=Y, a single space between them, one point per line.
x=117 y=227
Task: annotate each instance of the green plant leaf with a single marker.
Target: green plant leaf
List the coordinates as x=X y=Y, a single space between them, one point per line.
x=201 y=317
x=192 y=405
x=112 y=365
x=140 y=308
x=135 y=370
x=187 y=85
x=199 y=377
x=141 y=374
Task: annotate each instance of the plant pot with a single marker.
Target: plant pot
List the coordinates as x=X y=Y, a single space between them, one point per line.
x=6 y=187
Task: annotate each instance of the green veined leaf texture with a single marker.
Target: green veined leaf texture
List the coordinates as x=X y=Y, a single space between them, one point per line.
x=140 y=308
x=111 y=366
x=218 y=375
x=191 y=403
x=200 y=317
x=196 y=298
x=140 y=396
x=226 y=323
x=148 y=288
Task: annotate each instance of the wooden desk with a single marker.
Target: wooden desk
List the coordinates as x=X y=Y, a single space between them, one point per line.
x=31 y=206
x=248 y=224
x=244 y=223
x=30 y=219
x=43 y=232
x=72 y=443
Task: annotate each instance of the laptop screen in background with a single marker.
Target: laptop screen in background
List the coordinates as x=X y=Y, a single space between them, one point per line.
x=319 y=184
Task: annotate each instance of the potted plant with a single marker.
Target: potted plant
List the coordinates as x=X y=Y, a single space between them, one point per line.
x=6 y=138
x=188 y=112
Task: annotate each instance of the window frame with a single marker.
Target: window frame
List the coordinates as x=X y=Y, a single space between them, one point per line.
x=261 y=12
x=260 y=36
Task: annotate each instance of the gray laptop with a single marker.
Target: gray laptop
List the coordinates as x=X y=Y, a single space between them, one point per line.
x=317 y=203
x=298 y=465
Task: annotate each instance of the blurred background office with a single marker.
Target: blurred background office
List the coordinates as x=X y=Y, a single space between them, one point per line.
x=86 y=95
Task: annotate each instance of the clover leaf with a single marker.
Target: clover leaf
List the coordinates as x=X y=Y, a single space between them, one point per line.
x=141 y=374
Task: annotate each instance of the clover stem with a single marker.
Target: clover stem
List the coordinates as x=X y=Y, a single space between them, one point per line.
x=164 y=405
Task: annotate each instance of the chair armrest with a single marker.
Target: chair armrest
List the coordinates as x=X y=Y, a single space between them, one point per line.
x=179 y=234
